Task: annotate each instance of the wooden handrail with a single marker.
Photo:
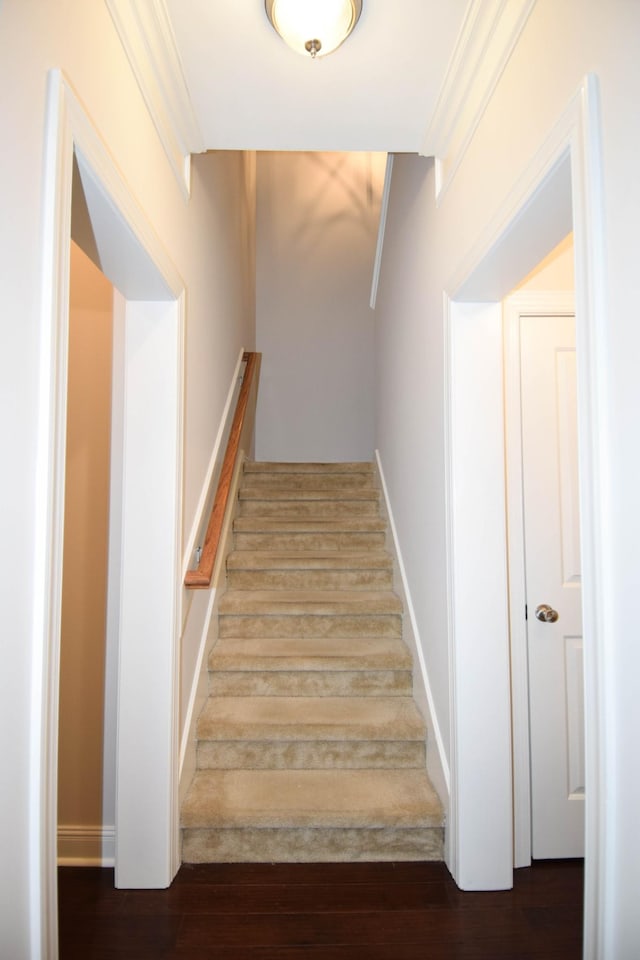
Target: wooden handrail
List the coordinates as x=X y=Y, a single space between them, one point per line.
x=200 y=578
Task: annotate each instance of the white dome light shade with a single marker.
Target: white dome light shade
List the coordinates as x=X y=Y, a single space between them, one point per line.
x=313 y=27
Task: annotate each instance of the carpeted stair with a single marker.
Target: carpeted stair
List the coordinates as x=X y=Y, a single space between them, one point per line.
x=310 y=746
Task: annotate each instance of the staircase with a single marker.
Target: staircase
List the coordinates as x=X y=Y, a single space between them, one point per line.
x=310 y=746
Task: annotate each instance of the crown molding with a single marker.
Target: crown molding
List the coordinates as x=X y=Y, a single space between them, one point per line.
x=489 y=33
x=147 y=36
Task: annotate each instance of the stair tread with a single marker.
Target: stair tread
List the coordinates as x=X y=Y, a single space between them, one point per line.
x=309 y=525
x=311 y=798
x=322 y=494
x=311 y=653
x=268 y=466
x=311 y=718
x=309 y=560
x=312 y=602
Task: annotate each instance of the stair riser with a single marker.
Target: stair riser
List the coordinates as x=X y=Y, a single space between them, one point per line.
x=310 y=755
x=335 y=483
x=311 y=845
x=252 y=467
x=310 y=579
x=311 y=540
x=229 y=662
x=312 y=683
x=304 y=509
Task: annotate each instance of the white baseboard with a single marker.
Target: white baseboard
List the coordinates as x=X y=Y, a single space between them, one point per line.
x=86 y=846
x=437 y=766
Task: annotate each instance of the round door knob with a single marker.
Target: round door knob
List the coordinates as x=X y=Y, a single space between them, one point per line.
x=546 y=614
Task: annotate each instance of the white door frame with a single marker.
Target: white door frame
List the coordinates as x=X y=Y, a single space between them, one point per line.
x=149 y=588
x=520 y=305
x=532 y=220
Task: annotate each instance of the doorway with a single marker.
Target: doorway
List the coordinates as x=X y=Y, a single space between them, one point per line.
x=86 y=737
x=146 y=597
x=544 y=561
x=560 y=191
x=554 y=584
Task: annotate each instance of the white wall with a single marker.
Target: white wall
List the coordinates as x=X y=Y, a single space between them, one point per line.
x=424 y=248
x=206 y=239
x=316 y=237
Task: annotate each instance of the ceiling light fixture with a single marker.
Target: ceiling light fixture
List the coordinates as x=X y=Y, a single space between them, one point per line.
x=313 y=27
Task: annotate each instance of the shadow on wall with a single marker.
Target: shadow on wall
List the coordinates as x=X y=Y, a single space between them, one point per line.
x=317 y=229
x=339 y=188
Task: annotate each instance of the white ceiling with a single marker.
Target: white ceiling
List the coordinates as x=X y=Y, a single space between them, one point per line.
x=377 y=92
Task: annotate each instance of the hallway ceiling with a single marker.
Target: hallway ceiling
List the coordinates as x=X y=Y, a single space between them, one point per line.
x=377 y=92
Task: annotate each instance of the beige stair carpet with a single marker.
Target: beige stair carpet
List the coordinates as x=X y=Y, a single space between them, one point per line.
x=310 y=746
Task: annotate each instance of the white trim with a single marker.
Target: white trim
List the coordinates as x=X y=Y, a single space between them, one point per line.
x=112 y=631
x=68 y=128
x=86 y=846
x=382 y=225
x=439 y=773
x=595 y=504
x=488 y=36
x=451 y=835
x=49 y=513
x=540 y=303
x=147 y=36
x=579 y=133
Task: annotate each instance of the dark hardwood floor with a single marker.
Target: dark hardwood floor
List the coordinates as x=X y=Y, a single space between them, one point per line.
x=404 y=911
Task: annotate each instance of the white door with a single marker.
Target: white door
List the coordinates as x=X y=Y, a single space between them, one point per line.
x=553 y=584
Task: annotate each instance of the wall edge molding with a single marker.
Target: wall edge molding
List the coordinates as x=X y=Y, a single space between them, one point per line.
x=382 y=225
